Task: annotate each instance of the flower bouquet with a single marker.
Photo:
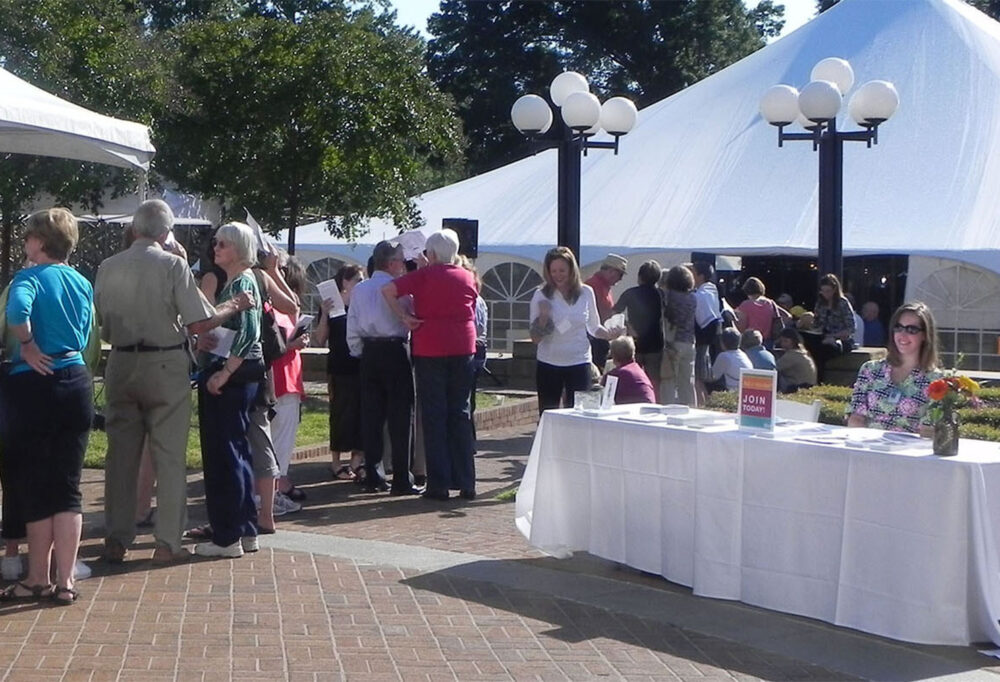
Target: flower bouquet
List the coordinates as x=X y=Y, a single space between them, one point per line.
x=947 y=394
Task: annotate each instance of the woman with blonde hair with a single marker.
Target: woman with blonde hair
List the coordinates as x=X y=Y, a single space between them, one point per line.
x=562 y=312
x=46 y=428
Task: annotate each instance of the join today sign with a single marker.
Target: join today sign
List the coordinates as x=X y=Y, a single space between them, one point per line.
x=758 y=395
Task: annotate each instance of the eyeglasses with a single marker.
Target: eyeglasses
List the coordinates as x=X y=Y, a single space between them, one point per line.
x=910 y=329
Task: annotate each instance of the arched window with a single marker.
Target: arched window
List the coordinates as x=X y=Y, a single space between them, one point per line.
x=316 y=272
x=966 y=304
x=507 y=290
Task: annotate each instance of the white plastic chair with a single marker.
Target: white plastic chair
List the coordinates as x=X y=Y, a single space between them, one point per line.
x=803 y=412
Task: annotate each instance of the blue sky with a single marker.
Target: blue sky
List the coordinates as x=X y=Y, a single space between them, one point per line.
x=415 y=12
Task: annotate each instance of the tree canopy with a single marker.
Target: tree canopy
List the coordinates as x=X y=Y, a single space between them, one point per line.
x=487 y=54
x=328 y=115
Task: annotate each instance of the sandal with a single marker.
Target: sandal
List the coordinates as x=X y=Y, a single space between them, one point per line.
x=342 y=473
x=294 y=493
x=57 y=596
x=199 y=532
x=360 y=475
x=35 y=592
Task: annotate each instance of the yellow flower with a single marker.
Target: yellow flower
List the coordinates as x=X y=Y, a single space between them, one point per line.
x=968 y=385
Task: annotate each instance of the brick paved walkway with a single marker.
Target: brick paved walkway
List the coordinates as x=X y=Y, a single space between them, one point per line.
x=367 y=587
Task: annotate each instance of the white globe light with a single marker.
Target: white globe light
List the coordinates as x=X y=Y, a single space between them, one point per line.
x=820 y=101
x=565 y=84
x=531 y=114
x=592 y=130
x=780 y=104
x=836 y=70
x=874 y=102
x=581 y=110
x=618 y=115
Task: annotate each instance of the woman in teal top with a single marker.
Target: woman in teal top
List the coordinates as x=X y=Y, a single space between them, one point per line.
x=226 y=394
x=48 y=403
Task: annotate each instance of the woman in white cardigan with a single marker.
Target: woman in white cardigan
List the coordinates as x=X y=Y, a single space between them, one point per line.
x=562 y=312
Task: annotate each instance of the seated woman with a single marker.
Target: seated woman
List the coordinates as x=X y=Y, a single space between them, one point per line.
x=752 y=343
x=728 y=363
x=634 y=385
x=795 y=366
x=832 y=332
x=891 y=394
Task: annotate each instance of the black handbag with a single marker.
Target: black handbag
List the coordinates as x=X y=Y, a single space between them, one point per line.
x=272 y=337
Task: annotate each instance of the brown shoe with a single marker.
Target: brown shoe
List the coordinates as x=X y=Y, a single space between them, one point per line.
x=114 y=551
x=163 y=556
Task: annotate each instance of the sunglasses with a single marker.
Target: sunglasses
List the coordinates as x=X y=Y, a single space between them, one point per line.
x=910 y=329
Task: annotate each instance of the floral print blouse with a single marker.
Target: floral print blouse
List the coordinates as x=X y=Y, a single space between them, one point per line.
x=834 y=319
x=889 y=406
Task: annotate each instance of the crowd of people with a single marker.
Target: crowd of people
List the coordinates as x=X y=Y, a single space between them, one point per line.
x=679 y=339
x=233 y=331
x=404 y=350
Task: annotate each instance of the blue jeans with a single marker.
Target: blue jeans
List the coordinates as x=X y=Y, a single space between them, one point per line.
x=444 y=385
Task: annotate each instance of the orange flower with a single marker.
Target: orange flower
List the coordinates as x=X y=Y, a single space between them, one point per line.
x=938 y=389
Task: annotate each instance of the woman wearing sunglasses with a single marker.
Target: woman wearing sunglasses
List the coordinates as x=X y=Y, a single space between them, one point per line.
x=891 y=394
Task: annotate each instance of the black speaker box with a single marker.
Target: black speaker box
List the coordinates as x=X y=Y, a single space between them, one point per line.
x=468 y=235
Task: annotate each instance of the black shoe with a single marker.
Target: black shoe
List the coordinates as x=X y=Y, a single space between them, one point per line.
x=376 y=487
x=468 y=494
x=436 y=495
x=405 y=491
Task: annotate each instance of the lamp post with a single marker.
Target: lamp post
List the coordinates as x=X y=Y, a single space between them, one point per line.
x=580 y=115
x=815 y=108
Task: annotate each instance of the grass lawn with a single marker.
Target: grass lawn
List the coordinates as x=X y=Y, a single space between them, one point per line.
x=313 y=429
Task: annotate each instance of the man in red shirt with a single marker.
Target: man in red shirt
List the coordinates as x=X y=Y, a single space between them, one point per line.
x=613 y=268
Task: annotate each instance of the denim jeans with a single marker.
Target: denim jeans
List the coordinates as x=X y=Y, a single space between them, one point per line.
x=444 y=385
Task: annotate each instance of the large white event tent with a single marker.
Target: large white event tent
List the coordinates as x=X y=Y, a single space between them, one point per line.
x=702 y=170
x=33 y=121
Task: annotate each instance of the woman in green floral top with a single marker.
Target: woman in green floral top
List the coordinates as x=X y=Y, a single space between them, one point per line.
x=891 y=394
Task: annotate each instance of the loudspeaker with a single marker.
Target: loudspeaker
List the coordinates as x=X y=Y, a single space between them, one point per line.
x=468 y=235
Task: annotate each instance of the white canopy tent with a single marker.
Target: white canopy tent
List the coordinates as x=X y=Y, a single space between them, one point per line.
x=702 y=170
x=33 y=121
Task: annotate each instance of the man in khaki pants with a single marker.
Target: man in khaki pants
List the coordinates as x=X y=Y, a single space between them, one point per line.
x=145 y=298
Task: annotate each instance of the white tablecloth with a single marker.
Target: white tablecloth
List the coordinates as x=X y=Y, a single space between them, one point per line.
x=901 y=544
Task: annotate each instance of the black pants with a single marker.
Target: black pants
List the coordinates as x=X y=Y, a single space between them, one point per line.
x=46 y=428
x=599 y=350
x=554 y=382
x=386 y=397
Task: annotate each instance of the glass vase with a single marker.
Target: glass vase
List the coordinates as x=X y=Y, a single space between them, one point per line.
x=946 y=434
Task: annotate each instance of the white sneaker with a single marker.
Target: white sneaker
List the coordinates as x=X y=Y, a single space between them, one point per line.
x=285 y=505
x=250 y=543
x=233 y=551
x=81 y=571
x=11 y=567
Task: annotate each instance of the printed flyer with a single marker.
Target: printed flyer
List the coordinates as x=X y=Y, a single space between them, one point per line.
x=758 y=395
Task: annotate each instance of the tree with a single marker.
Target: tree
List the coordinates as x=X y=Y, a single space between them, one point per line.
x=329 y=114
x=95 y=53
x=486 y=54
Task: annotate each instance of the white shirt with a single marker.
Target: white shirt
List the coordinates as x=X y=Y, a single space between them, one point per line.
x=727 y=365
x=706 y=304
x=369 y=314
x=568 y=344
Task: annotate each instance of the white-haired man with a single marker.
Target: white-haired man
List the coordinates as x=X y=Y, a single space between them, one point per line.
x=146 y=297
